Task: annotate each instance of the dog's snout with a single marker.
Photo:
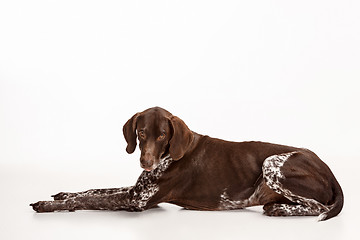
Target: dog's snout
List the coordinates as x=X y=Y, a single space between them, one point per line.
x=147 y=160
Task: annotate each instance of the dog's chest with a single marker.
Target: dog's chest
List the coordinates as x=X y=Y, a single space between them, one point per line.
x=146 y=186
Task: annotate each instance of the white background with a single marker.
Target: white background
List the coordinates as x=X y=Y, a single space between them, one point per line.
x=73 y=72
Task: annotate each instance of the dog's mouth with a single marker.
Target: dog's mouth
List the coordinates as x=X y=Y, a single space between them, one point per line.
x=164 y=155
x=152 y=167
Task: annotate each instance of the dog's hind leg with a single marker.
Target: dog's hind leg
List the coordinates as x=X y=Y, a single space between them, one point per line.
x=299 y=177
x=281 y=209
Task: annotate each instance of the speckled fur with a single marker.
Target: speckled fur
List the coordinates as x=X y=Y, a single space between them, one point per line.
x=91 y=192
x=291 y=210
x=211 y=174
x=133 y=198
x=303 y=206
x=146 y=186
x=226 y=203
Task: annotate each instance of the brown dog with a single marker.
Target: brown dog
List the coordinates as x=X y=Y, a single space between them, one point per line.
x=203 y=173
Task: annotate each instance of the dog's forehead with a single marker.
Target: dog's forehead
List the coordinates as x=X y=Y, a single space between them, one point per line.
x=157 y=111
x=155 y=118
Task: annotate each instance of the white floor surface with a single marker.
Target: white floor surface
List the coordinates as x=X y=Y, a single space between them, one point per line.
x=22 y=185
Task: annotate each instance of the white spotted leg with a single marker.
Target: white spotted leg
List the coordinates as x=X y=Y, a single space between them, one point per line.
x=91 y=192
x=137 y=198
x=280 y=179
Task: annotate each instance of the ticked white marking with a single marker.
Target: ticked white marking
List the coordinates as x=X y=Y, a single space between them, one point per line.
x=272 y=174
x=145 y=187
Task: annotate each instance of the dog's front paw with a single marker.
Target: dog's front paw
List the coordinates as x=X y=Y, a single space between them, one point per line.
x=52 y=206
x=61 y=196
x=40 y=206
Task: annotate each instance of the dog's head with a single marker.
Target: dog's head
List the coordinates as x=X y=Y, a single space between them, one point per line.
x=159 y=134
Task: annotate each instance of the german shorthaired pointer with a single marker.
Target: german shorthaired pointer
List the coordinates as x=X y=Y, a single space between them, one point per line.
x=202 y=173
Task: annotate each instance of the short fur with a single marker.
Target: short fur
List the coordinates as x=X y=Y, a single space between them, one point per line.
x=203 y=173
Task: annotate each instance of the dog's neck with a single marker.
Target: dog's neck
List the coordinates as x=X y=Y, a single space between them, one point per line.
x=194 y=143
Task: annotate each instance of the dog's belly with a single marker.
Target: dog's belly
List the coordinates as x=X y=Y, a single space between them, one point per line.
x=261 y=195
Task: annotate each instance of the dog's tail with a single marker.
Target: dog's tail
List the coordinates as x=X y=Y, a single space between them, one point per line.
x=336 y=207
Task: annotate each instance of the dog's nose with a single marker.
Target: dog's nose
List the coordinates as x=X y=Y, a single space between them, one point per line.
x=146 y=163
x=147 y=160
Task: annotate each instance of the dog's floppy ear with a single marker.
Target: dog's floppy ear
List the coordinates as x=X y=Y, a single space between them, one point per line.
x=181 y=139
x=129 y=131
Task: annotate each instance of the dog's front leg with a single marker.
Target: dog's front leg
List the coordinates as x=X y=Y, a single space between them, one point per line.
x=144 y=195
x=91 y=192
x=137 y=198
x=117 y=201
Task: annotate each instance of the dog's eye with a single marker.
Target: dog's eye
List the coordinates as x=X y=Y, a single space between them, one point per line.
x=161 y=137
x=142 y=134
